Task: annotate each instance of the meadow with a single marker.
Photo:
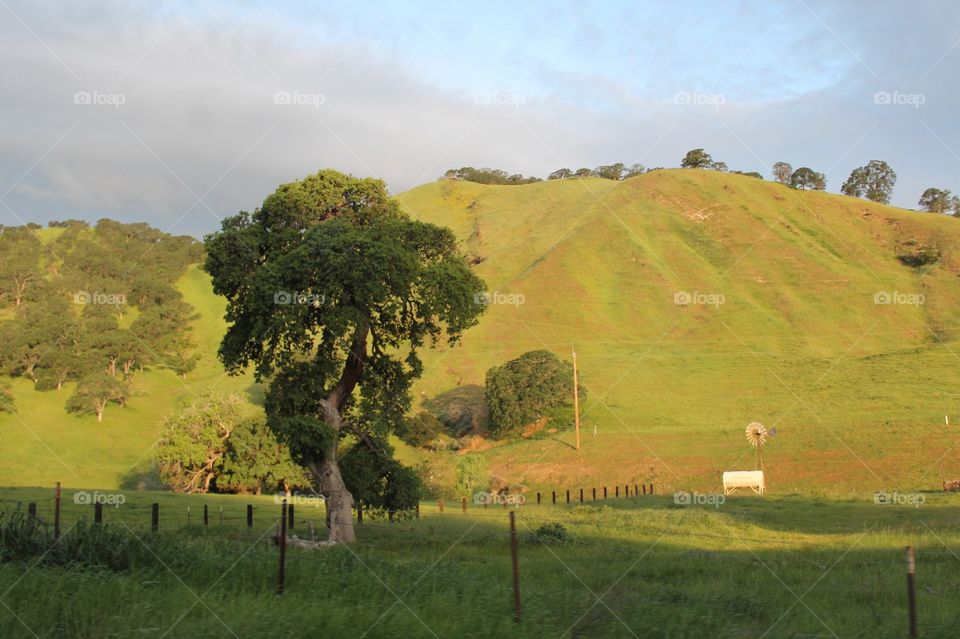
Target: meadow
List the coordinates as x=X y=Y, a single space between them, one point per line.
x=783 y=566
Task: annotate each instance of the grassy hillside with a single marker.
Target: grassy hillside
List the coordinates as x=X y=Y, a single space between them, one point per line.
x=858 y=391
x=44 y=444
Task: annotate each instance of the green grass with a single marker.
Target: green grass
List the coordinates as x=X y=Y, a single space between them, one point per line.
x=658 y=570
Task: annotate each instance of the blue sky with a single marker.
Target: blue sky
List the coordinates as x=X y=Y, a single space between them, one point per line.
x=184 y=126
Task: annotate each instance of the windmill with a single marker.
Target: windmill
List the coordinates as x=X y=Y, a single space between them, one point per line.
x=757 y=436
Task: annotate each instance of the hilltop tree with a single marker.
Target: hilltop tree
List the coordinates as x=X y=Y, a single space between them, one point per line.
x=634 y=170
x=874 y=181
x=782 y=172
x=389 y=285
x=609 y=171
x=938 y=201
x=20 y=263
x=94 y=393
x=254 y=459
x=806 y=178
x=560 y=174
x=421 y=429
x=697 y=159
x=584 y=172
x=526 y=389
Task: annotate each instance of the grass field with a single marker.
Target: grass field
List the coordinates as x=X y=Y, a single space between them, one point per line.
x=786 y=566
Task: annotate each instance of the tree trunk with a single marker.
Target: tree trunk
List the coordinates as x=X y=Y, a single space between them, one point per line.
x=338 y=499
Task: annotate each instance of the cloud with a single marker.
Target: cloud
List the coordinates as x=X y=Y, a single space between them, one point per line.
x=190 y=113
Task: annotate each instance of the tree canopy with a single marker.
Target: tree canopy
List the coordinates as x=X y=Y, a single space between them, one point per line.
x=874 y=181
x=331 y=289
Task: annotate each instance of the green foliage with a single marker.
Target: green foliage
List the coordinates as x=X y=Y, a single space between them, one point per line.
x=255 y=460
x=697 y=159
x=526 y=389
x=806 y=178
x=379 y=482
x=20 y=252
x=552 y=533
x=488 y=176
x=753 y=174
x=782 y=172
x=190 y=453
x=421 y=429
x=95 y=392
x=560 y=174
x=874 y=181
x=940 y=201
x=386 y=281
x=472 y=476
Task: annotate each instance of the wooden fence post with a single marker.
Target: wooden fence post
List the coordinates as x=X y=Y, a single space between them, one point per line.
x=568 y=495
x=32 y=509
x=417 y=513
x=440 y=504
x=553 y=495
x=515 y=560
x=249 y=515
x=283 y=547
x=360 y=513
x=290 y=516
x=593 y=492
x=911 y=592
x=604 y=492
x=56 y=513
x=616 y=491
x=538 y=499
x=463 y=504
x=154 y=516
x=581 y=495
x=98 y=513
x=206 y=516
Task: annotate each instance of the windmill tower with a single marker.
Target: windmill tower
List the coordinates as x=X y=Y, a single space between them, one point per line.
x=757 y=436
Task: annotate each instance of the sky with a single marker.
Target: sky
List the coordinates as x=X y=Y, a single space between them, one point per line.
x=182 y=113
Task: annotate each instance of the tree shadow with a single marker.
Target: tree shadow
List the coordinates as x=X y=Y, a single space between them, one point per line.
x=462 y=410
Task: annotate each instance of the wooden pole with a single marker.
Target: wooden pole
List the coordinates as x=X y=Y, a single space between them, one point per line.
x=97 y=513
x=553 y=496
x=249 y=515
x=154 y=516
x=576 y=399
x=568 y=495
x=32 y=509
x=514 y=556
x=283 y=547
x=911 y=592
x=290 y=516
x=206 y=516
x=463 y=504
x=581 y=495
x=56 y=513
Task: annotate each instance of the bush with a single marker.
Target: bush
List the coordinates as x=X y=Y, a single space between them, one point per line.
x=553 y=533
x=380 y=483
x=472 y=476
x=421 y=430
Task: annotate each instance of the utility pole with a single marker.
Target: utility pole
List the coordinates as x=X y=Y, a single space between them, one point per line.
x=576 y=398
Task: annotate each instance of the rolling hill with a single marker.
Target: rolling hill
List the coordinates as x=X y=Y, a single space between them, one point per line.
x=785 y=325
x=697 y=302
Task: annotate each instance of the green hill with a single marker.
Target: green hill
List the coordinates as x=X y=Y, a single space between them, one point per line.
x=857 y=390
x=781 y=327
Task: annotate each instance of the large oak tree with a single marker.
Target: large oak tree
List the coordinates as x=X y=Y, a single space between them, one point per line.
x=331 y=291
